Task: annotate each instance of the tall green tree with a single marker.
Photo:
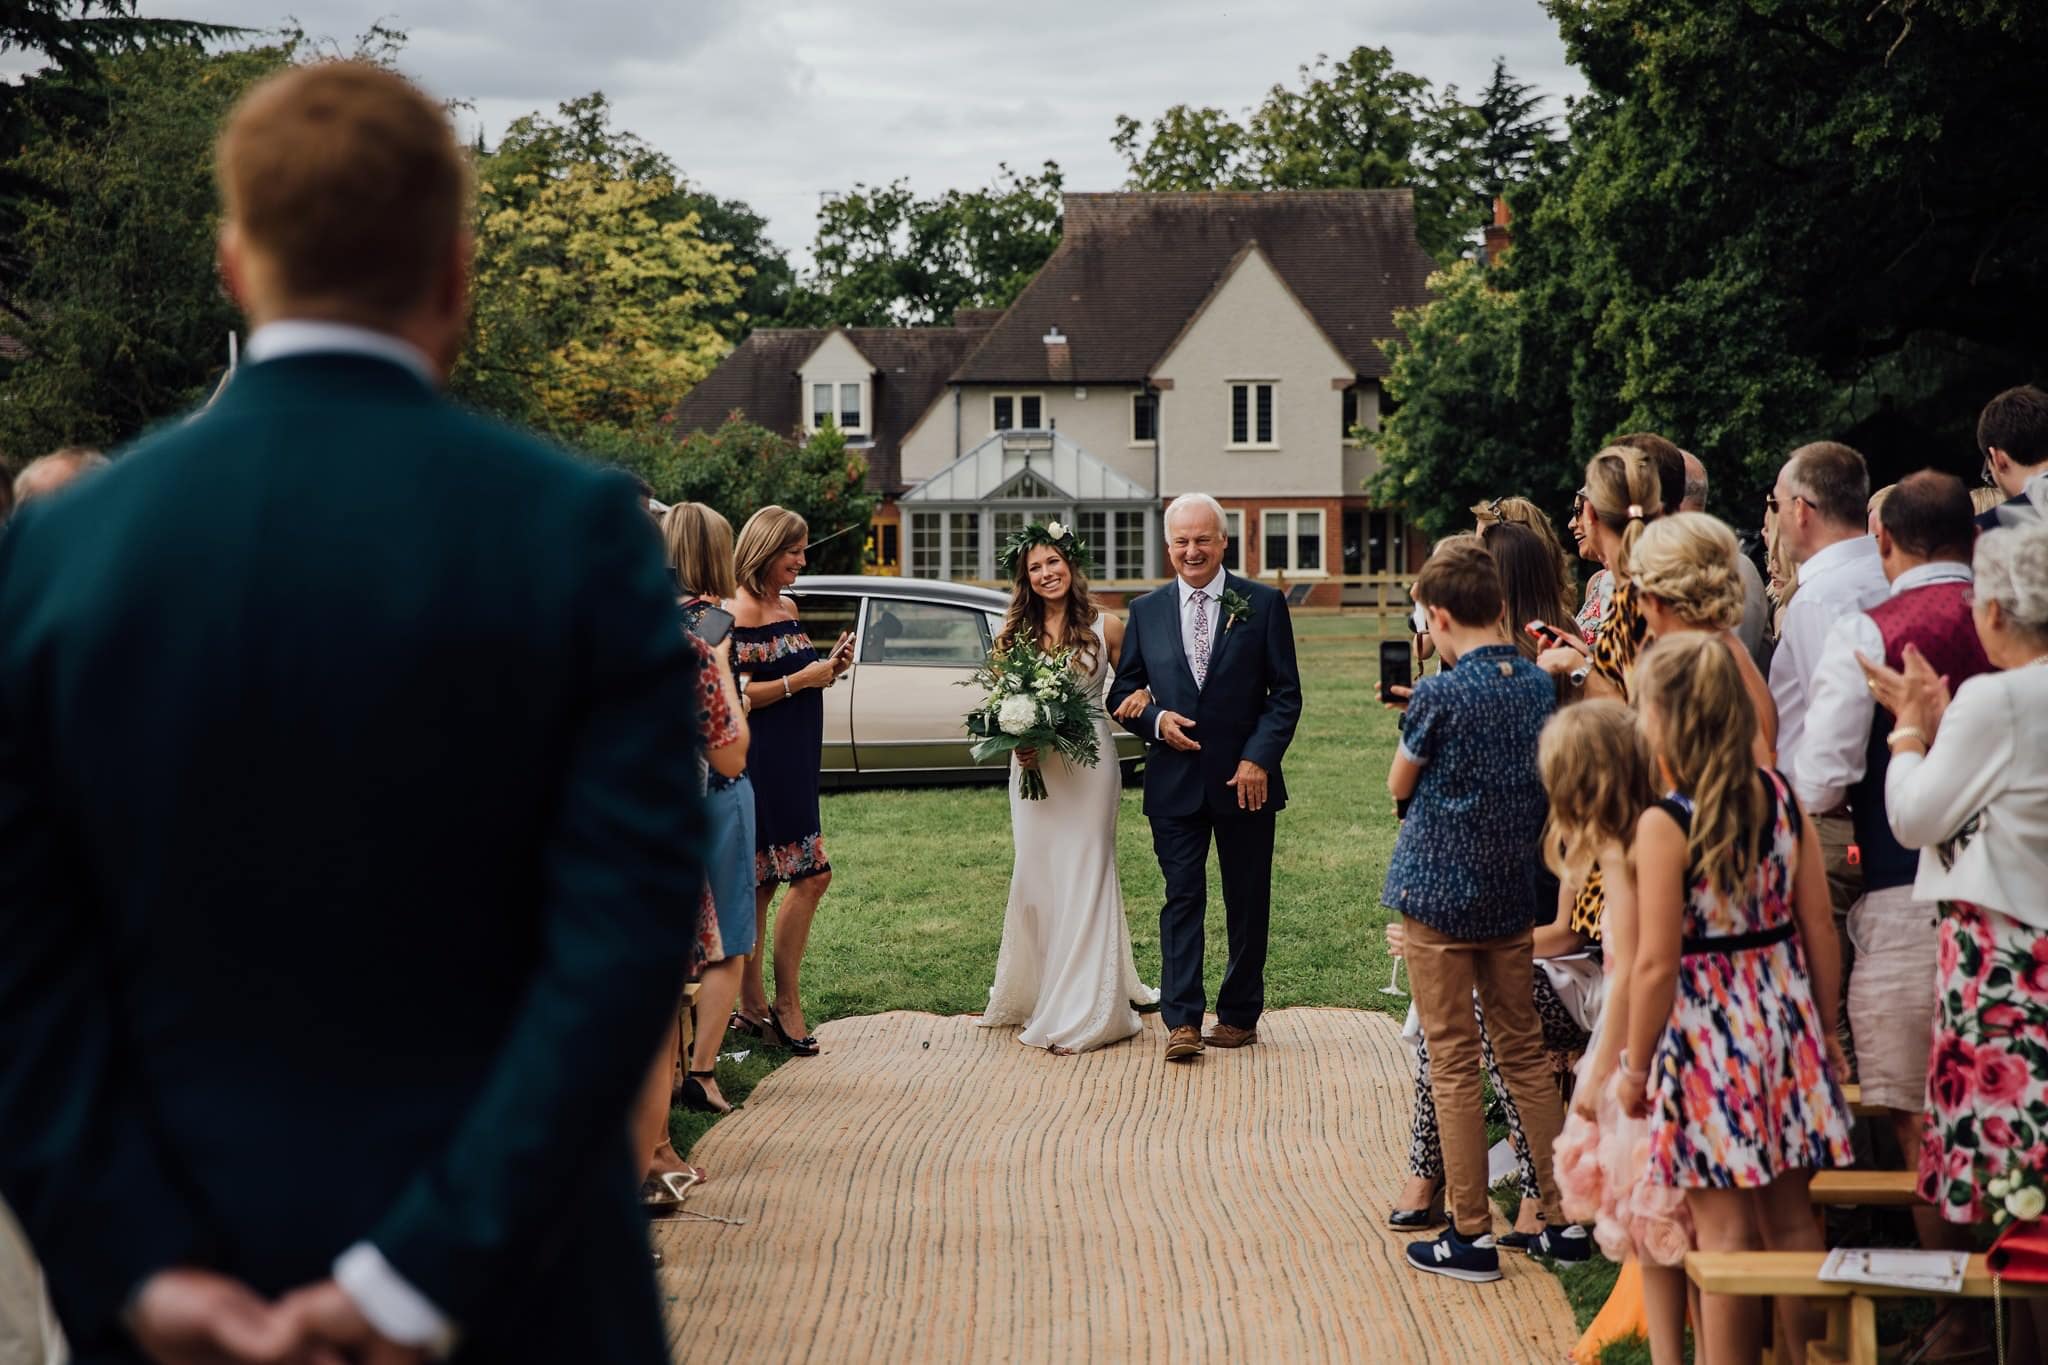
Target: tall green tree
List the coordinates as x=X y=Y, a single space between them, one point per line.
x=72 y=37
x=887 y=257
x=1359 y=122
x=1512 y=137
x=127 y=323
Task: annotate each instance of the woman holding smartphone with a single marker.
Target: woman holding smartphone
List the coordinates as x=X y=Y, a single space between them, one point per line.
x=786 y=676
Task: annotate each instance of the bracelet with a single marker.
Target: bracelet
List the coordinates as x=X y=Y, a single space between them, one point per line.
x=1910 y=734
x=785 y=687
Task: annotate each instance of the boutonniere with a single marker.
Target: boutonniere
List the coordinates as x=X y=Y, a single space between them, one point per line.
x=1236 y=606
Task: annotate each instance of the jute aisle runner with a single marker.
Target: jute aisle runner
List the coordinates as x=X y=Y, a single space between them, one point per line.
x=929 y=1190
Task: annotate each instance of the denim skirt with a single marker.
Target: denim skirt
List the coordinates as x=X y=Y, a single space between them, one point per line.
x=729 y=859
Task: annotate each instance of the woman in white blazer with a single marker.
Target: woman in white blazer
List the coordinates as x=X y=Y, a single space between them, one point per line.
x=1968 y=786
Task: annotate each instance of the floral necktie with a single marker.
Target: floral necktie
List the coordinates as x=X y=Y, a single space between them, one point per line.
x=1201 y=659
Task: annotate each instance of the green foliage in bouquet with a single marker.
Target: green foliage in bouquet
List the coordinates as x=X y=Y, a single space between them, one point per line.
x=1033 y=700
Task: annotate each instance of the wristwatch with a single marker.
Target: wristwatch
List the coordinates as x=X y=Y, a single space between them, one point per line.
x=1579 y=675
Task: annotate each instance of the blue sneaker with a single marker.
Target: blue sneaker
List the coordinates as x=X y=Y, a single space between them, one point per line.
x=1569 y=1243
x=1475 y=1260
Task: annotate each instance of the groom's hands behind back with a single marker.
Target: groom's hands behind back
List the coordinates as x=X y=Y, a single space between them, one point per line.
x=1173 y=729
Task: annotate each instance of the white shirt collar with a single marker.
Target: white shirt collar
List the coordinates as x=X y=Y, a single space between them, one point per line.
x=298 y=336
x=1936 y=571
x=1843 y=554
x=1214 y=588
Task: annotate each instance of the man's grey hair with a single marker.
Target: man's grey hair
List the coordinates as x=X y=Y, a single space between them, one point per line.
x=1695 y=483
x=2011 y=566
x=1187 y=502
x=47 y=473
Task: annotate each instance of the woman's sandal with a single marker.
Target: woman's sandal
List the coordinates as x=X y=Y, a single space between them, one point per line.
x=664 y=1193
x=692 y=1095
x=740 y=1023
x=1415 y=1220
x=800 y=1047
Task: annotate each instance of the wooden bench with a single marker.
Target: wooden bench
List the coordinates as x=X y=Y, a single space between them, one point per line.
x=1851 y=1308
x=1859 y=1188
x=1852 y=1093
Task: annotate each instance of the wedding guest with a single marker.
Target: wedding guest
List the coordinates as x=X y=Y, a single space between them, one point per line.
x=1621 y=494
x=1983 y=499
x=1754 y=629
x=2012 y=431
x=1924 y=541
x=700 y=551
x=1731 y=1050
x=1527 y=515
x=342 y=837
x=1463 y=879
x=1598 y=770
x=787 y=708
x=1600 y=584
x=1820 y=497
x=1781 y=578
x=1968 y=786
x=1530 y=585
x=46 y=474
x=1687 y=582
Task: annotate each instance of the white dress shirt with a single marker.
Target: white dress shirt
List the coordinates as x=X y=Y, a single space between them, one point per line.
x=1836 y=747
x=1988 y=764
x=1184 y=593
x=1842 y=580
x=397 y=1310
x=296 y=336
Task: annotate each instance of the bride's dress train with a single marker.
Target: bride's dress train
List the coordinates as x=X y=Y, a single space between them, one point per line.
x=1065 y=972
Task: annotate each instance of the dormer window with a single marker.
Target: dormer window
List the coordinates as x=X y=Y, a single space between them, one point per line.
x=842 y=405
x=1017 y=412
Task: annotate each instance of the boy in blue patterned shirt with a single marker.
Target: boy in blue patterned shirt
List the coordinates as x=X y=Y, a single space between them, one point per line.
x=1463 y=878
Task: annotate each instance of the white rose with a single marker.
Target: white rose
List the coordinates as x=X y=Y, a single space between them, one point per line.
x=2027 y=1204
x=1017 y=715
x=1055 y=530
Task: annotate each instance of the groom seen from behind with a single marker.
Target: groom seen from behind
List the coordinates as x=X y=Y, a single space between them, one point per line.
x=1214 y=654
x=348 y=819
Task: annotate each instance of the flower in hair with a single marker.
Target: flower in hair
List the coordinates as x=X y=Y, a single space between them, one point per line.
x=1056 y=534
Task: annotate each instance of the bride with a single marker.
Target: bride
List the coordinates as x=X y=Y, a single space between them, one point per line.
x=1065 y=971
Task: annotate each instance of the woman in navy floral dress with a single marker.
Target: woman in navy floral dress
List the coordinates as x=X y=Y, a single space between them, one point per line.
x=785 y=679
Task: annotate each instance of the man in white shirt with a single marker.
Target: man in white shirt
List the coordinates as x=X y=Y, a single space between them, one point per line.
x=1754 y=628
x=1924 y=536
x=2012 y=431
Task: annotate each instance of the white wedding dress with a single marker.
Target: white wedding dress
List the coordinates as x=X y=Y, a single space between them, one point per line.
x=1065 y=972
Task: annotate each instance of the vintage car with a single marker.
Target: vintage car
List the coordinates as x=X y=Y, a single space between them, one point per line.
x=898 y=716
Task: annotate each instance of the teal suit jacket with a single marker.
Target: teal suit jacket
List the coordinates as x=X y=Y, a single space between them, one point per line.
x=348 y=861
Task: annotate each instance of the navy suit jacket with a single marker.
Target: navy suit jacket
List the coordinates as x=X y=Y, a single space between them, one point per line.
x=348 y=862
x=1246 y=709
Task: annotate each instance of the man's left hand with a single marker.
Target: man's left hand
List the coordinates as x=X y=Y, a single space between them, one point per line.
x=325 y=1313
x=1251 y=785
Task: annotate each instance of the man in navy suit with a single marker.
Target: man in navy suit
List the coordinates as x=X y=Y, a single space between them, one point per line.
x=348 y=820
x=1214 y=654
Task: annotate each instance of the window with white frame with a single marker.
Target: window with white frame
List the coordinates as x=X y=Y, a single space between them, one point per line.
x=927 y=545
x=839 y=405
x=1251 y=414
x=1233 y=527
x=1350 y=420
x=1292 y=540
x=1144 y=419
x=1017 y=411
x=1117 y=540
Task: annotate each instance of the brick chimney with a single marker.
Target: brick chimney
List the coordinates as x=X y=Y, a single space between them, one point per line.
x=1059 y=358
x=1498 y=239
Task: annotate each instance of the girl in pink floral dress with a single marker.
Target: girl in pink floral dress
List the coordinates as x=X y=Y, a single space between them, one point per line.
x=1736 y=968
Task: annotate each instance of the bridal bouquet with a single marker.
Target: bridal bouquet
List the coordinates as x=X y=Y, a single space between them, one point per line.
x=1034 y=700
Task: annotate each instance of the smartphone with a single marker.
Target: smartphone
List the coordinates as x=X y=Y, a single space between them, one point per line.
x=844 y=648
x=713 y=626
x=1547 y=635
x=1397 y=666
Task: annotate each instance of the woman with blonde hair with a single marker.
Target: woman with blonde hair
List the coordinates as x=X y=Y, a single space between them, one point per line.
x=1622 y=497
x=1686 y=580
x=787 y=677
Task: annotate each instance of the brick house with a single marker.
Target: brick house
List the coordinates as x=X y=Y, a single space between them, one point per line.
x=1218 y=342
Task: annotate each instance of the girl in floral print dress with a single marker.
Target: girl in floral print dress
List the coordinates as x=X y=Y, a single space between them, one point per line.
x=1736 y=965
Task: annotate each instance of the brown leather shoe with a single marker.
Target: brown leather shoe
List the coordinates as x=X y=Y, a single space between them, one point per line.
x=1184 y=1044
x=1230 y=1035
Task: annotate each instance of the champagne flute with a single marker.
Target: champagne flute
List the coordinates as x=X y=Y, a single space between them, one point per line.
x=1393 y=986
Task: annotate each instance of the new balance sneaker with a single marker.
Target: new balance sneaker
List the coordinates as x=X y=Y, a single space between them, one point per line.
x=1568 y=1243
x=1476 y=1260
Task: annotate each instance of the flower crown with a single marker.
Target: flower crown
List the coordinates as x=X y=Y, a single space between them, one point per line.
x=1061 y=537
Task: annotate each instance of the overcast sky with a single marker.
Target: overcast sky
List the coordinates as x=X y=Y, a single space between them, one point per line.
x=776 y=101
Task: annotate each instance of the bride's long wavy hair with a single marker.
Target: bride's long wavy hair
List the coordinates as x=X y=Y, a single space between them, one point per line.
x=1027 y=616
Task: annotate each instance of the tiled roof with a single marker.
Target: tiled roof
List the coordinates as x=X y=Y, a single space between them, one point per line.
x=759 y=380
x=1131 y=268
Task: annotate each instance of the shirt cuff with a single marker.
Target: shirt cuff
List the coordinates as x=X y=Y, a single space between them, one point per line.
x=399 y=1312
x=1403 y=751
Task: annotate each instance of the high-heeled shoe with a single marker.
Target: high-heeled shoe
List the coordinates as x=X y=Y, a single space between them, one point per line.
x=1428 y=1216
x=799 y=1047
x=692 y=1095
